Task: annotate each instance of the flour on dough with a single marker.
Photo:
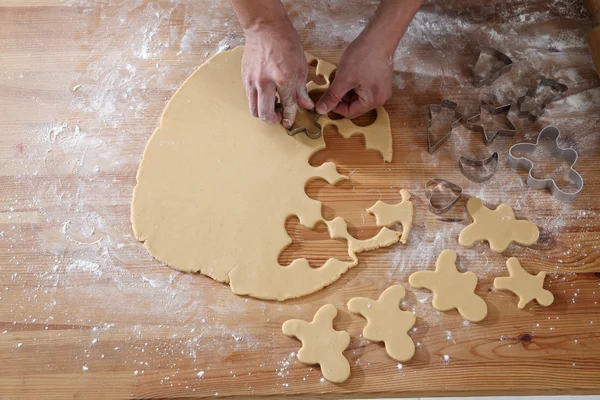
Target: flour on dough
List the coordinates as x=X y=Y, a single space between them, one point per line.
x=386 y=322
x=216 y=185
x=451 y=288
x=388 y=214
x=321 y=344
x=526 y=286
x=498 y=227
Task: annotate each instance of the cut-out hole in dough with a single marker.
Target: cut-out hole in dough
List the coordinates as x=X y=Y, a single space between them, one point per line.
x=366 y=119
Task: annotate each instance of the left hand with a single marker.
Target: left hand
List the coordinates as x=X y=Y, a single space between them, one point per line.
x=363 y=80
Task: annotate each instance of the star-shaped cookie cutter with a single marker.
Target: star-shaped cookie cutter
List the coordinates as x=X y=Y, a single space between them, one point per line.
x=557 y=88
x=488 y=77
x=488 y=137
x=438 y=108
x=565 y=154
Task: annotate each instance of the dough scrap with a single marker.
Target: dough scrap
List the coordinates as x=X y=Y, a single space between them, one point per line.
x=386 y=322
x=451 y=288
x=526 y=286
x=498 y=227
x=388 y=214
x=216 y=185
x=321 y=344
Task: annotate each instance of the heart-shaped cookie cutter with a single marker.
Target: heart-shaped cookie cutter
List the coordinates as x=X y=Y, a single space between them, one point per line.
x=488 y=78
x=438 y=185
x=565 y=154
x=492 y=161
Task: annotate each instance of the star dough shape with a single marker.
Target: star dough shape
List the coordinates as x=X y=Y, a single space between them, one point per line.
x=321 y=344
x=498 y=227
x=526 y=286
x=386 y=322
x=388 y=214
x=451 y=288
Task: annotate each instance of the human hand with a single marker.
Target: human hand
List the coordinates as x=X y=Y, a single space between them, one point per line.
x=274 y=62
x=363 y=80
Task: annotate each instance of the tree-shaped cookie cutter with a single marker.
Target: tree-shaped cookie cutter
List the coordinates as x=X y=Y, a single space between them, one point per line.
x=488 y=137
x=488 y=78
x=458 y=117
x=557 y=88
x=565 y=154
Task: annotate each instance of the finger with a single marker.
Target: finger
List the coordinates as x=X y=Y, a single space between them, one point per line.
x=333 y=95
x=266 y=104
x=252 y=94
x=302 y=97
x=287 y=96
x=354 y=109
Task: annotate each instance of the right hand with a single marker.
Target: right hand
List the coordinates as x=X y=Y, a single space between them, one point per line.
x=274 y=62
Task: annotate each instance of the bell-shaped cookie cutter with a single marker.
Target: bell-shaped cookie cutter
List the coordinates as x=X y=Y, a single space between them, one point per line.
x=488 y=78
x=438 y=108
x=559 y=90
x=486 y=173
x=488 y=137
x=438 y=185
x=565 y=154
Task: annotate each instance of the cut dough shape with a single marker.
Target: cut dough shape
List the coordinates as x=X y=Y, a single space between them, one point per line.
x=387 y=214
x=216 y=185
x=526 y=286
x=321 y=344
x=386 y=322
x=498 y=227
x=451 y=288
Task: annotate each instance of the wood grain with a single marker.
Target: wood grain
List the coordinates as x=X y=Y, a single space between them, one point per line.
x=85 y=312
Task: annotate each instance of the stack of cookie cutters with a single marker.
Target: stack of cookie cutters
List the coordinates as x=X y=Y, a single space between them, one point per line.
x=568 y=154
x=558 y=89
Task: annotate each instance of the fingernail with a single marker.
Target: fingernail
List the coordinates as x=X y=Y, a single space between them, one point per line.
x=286 y=123
x=321 y=108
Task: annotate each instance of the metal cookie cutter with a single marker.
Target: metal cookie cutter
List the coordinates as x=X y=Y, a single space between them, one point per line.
x=438 y=108
x=488 y=168
x=566 y=154
x=488 y=137
x=306 y=121
x=486 y=72
x=439 y=186
x=533 y=111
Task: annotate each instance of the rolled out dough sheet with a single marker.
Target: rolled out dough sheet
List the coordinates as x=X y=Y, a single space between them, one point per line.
x=216 y=185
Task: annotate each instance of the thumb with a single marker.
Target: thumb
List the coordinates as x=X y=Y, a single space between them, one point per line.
x=333 y=96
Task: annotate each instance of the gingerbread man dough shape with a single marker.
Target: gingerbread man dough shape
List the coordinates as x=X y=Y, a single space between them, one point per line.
x=386 y=322
x=498 y=227
x=387 y=214
x=451 y=289
x=321 y=344
x=524 y=285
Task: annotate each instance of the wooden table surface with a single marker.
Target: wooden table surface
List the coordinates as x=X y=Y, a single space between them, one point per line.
x=85 y=311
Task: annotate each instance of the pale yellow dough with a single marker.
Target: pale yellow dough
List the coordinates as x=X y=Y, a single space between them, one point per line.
x=388 y=214
x=451 y=288
x=386 y=322
x=216 y=185
x=498 y=227
x=526 y=286
x=321 y=344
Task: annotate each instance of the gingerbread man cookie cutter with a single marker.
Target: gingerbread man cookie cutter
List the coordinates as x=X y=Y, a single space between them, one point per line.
x=567 y=154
